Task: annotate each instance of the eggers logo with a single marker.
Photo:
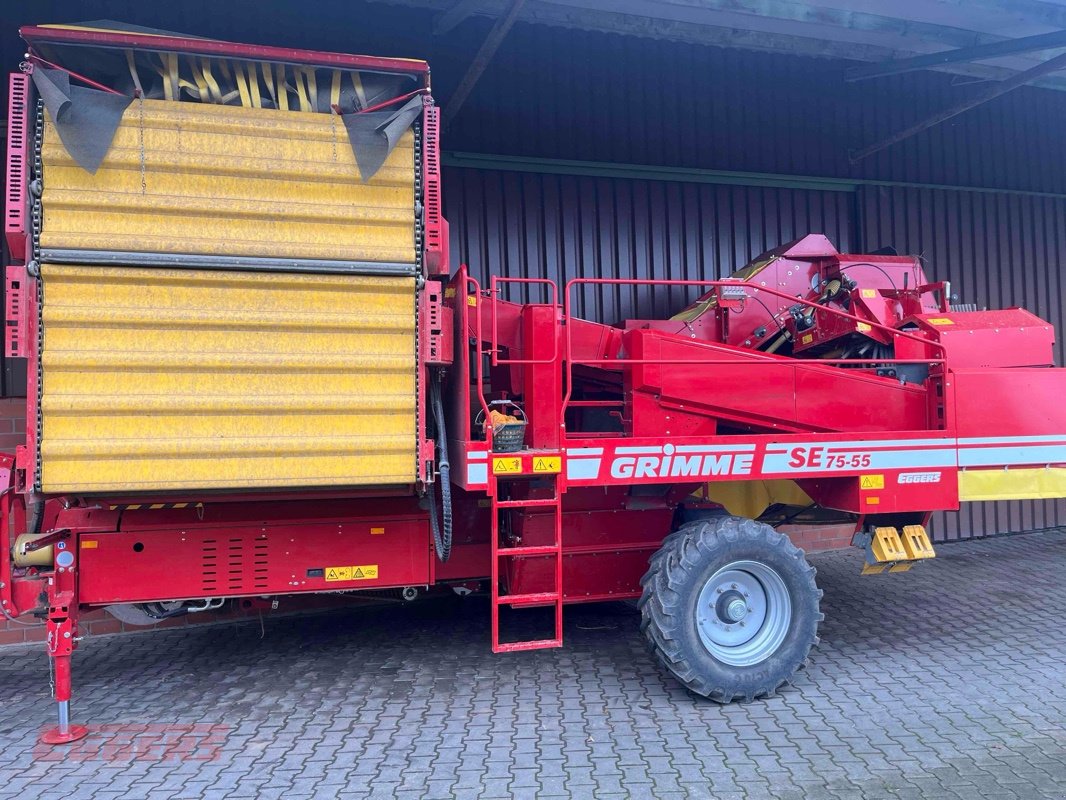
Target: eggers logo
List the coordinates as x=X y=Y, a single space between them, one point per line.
x=919 y=477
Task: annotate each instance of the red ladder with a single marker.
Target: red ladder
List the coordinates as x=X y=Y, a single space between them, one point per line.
x=555 y=549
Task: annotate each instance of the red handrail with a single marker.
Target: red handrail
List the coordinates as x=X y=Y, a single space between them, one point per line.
x=494 y=292
x=766 y=358
x=479 y=371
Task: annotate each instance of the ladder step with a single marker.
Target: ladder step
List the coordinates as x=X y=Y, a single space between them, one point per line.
x=523 y=599
x=531 y=550
x=527 y=503
x=536 y=644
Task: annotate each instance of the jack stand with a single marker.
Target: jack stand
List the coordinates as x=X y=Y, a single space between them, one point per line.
x=62 y=639
x=64 y=732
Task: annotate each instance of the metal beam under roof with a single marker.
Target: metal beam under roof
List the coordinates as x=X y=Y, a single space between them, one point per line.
x=981 y=52
x=874 y=31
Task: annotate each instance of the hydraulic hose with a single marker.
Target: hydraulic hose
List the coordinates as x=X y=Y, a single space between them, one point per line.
x=442 y=533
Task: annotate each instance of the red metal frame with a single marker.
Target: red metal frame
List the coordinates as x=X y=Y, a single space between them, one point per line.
x=36 y=59
x=35 y=34
x=16 y=332
x=19 y=135
x=435 y=227
x=494 y=292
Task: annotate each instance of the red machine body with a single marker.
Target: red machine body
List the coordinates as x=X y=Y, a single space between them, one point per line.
x=851 y=375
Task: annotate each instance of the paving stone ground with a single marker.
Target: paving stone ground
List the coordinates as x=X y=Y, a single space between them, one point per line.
x=949 y=681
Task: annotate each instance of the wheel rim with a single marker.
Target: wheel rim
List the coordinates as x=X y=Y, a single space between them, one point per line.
x=743 y=613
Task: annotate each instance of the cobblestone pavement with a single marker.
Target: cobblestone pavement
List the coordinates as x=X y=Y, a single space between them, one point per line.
x=949 y=681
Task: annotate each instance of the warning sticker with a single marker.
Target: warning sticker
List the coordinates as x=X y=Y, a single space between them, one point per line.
x=940 y=321
x=862 y=327
x=376 y=531
x=869 y=293
x=366 y=572
x=338 y=573
x=504 y=466
x=547 y=464
x=807 y=338
x=872 y=482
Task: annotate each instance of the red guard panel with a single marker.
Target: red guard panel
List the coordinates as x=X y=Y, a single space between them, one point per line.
x=18 y=138
x=253 y=558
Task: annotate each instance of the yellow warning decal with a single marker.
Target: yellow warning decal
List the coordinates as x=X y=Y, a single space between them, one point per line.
x=869 y=293
x=872 y=482
x=376 y=531
x=548 y=464
x=507 y=466
x=940 y=321
x=471 y=300
x=862 y=327
x=366 y=572
x=808 y=338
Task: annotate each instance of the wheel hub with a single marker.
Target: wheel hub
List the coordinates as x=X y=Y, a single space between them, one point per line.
x=731 y=607
x=743 y=613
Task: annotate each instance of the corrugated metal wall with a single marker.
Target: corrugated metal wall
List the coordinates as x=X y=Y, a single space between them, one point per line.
x=565 y=226
x=998 y=250
x=601 y=97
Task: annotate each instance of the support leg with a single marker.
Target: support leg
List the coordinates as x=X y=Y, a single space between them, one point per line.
x=64 y=732
x=62 y=639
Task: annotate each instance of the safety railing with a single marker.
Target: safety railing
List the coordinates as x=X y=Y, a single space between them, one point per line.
x=494 y=295
x=753 y=359
x=479 y=370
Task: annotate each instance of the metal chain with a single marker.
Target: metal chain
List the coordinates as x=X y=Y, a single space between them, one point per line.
x=37 y=213
x=418 y=284
x=37 y=221
x=419 y=206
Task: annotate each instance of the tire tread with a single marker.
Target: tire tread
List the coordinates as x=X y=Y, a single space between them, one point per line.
x=661 y=607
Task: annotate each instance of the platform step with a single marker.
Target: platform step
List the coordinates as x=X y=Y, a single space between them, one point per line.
x=535 y=644
x=530 y=550
x=525 y=599
x=552 y=502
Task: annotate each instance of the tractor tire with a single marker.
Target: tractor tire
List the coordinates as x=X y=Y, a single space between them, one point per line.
x=730 y=608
